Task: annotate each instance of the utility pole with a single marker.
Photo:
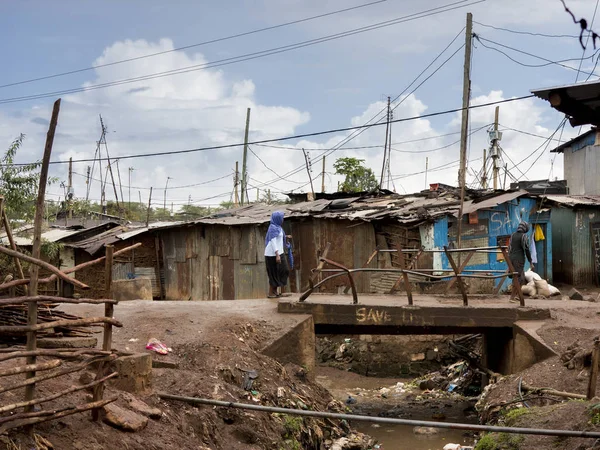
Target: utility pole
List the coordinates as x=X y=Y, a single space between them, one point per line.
x=149 y=204
x=484 y=172
x=120 y=184
x=312 y=189
x=70 y=189
x=245 y=157
x=165 y=196
x=236 y=182
x=464 y=129
x=323 y=177
x=112 y=177
x=495 y=152
x=387 y=130
x=389 y=152
x=130 y=170
x=140 y=194
x=426 y=169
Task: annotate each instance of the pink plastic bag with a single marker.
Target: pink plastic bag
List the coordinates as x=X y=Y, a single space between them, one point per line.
x=156 y=346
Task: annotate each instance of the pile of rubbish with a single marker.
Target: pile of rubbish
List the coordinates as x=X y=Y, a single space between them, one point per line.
x=537 y=287
x=458 y=378
x=576 y=356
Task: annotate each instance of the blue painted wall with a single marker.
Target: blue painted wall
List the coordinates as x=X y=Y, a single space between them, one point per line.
x=502 y=220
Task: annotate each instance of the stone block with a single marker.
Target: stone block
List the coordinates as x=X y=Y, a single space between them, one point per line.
x=136 y=289
x=574 y=294
x=141 y=407
x=67 y=342
x=135 y=372
x=124 y=419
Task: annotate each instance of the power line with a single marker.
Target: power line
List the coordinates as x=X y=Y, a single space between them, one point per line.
x=248 y=56
x=297 y=136
x=561 y=126
x=186 y=47
x=548 y=61
x=527 y=133
x=527 y=32
x=271 y=170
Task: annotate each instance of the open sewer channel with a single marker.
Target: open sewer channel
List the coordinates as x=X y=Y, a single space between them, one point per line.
x=392 y=397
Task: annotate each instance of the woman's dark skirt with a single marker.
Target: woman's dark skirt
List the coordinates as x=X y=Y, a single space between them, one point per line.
x=278 y=273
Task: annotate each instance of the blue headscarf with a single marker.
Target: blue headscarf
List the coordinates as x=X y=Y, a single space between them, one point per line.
x=274 y=230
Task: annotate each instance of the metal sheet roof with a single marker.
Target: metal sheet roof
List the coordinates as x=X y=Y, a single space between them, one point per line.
x=574 y=200
x=580 y=101
x=475 y=205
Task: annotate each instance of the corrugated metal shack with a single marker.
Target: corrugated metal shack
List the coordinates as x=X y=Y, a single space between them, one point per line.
x=221 y=256
x=576 y=238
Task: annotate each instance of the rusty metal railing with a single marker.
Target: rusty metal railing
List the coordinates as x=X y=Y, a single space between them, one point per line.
x=457 y=272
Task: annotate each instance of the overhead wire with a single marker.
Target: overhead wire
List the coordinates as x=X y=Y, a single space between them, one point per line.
x=248 y=56
x=297 y=136
x=529 y=33
x=187 y=47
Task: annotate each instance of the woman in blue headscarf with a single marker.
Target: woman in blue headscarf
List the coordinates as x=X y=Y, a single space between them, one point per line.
x=275 y=259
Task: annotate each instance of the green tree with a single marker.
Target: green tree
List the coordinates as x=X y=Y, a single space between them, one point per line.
x=193 y=211
x=358 y=177
x=19 y=184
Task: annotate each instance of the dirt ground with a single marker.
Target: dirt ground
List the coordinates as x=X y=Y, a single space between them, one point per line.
x=213 y=343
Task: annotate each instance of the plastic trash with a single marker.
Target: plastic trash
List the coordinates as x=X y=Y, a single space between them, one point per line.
x=350 y=400
x=452 y=387
x=156 y=346
x=531 y=276
x=249 y=377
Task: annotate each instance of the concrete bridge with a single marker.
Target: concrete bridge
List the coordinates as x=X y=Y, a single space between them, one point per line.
x=511 y=342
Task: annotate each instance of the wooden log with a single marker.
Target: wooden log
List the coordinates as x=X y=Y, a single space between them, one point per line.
x=48 y=398
x=59 y=323
x=52 y=299
x=74 y=353
x=30 y=367
x=74 y=410
x=39 y=263
x=462 y=267
x=459 y=281
x=527 y=388
x=58 y=373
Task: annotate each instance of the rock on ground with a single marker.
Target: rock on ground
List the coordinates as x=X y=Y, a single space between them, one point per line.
x=124 y=419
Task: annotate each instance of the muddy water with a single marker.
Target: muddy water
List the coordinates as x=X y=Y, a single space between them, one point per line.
x=365 y=390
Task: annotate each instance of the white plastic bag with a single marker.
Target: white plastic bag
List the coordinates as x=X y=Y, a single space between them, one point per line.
x=553 y=290
x=531 y=276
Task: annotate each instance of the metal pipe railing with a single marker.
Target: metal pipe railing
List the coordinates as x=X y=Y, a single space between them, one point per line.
x=384 y=420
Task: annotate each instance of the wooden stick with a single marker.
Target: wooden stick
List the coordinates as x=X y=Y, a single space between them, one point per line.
x=74 y=353
x=591 y=391
x=527 y=388
x=459 y=280
x=36 y=401
x=74 y=410
x=58 y=323
x=461 y=268
x=51 y=299
x=58 y=373
x=108 y=312
x=11 y=241
x=39 y=263
x=405 y=277
x=84 y=265
x=31 y=368
x=316 y=273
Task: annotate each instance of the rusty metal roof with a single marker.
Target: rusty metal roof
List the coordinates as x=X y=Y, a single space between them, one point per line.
x=491 y=202
x=574 y=200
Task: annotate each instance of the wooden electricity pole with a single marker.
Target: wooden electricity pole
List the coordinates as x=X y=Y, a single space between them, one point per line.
x=323 y=177
x=464 y=123
x=149 y=205
x=495 y=149
x=236 y=182
x=244 y=159
x=312 y=189
x=70 y=189
x=112 y=177
x=385 y=146
x=484 y=171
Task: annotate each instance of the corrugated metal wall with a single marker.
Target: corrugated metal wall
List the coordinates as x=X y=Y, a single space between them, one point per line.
x=214 y=262
x=562 y=220
x=584 y=271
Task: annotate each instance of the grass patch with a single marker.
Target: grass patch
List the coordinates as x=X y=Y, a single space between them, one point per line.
x=500 y=441
x=510 y=417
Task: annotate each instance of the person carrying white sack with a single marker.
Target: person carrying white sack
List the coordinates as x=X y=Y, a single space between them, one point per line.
x=518 y=251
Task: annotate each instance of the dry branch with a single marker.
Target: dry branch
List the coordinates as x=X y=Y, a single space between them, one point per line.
x=49 y=376
x=73 y=353
x=36 y=401
x=60 y=323
x=549 y=391
x=45 y=265
x=30 y=368
x=49 y=298
x=73 y=410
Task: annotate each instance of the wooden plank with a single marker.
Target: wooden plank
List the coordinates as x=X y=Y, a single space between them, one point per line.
x=248 y=245
x=457 y=272
x=405 y=276
x=36 y=250
x=158 y=277
x=235 y=239
x=227 y=278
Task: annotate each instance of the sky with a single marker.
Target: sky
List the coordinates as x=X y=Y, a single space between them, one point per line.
x=335 y=84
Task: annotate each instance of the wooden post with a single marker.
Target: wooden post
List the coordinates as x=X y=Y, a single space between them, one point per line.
x=405 y=276
x=149 y=205
x=591 y=392
x=36 y=249
x=516 y=284
x=158 y=279
x=109 y=310
x=461 y=268
x=13 y=246
x=316 y=273
x=459 y=280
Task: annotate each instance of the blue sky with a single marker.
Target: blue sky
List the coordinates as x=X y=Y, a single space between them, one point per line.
x=333 y=84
